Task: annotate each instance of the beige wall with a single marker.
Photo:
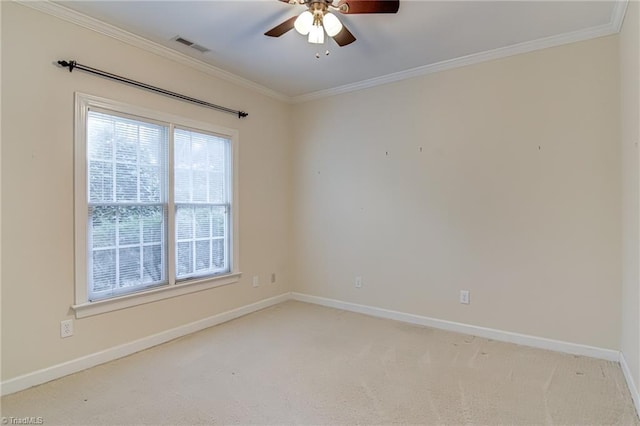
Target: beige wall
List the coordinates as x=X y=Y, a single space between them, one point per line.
x=502 y=178
x=37 y=187
x=630 y=115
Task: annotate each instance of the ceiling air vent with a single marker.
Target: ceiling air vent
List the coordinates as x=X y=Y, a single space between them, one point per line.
x=191 y=44
x=200 y=48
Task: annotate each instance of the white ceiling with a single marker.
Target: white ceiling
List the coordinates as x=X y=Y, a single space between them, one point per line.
x=421 y=34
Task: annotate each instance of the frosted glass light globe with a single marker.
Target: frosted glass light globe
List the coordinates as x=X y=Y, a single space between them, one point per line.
x=304 y=23
x=332 y=24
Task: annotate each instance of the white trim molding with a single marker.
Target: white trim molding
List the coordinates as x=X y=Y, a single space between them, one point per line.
x=69 y=15
x=55 y=372
x=617 y=16
x=633 y=389
x=612 y=27
x=488 y=333
x=87 y=309
x=73 y=366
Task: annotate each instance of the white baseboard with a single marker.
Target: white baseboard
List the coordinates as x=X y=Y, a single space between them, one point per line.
x=489 y=333
x=55 y=372
x=633 y=389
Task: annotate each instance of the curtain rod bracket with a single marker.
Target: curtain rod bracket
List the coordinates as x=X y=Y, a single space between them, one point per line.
x=73 y=64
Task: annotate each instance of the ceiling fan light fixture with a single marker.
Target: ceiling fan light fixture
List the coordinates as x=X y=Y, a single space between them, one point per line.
x=304 y=23
x=316 y=34
x=332 y=24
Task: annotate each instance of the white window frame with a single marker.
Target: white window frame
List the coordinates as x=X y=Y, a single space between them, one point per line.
x=83 y=307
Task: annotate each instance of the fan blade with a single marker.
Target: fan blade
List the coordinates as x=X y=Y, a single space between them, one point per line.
x=344 y=37
x=369 y=6
x=278 y=30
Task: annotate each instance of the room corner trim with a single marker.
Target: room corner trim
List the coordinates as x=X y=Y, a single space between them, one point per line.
x=617 y=16
x=488 y=333
x=60 y=370
x=633 y=389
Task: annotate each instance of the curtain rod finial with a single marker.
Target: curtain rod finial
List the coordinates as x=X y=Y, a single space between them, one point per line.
x=70 y=64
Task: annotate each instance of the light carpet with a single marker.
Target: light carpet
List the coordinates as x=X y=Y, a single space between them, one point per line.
x=297 y=363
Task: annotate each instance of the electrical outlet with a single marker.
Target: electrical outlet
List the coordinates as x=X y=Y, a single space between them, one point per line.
x=66 y=328
x=256 y=281
x=464 y=297
x=358 y=282
x=273 y=278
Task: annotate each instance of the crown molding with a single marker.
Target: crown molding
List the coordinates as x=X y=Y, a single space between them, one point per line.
x=617 y=16
x=69 y=15
x=54 y=9
x=613 y=27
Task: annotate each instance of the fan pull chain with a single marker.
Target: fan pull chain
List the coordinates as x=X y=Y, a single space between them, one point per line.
x=326 y=52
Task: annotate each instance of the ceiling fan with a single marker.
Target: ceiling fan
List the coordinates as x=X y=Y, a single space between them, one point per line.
x=318 y=19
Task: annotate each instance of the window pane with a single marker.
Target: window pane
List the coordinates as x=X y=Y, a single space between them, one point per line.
x=129 y=269
x=153 y=264
x=182 y=185
x=104 y=270
x=203 y=235
x=152 y=224
x=150 y=145
x=103 y=227
x=217 y=155
x=217 y=187
x=182 y=148
x=125 y=155
x=119 y=235
x=218 y=253
x=203 y=257
x=126 y=181
x=219 y=222
x=203 y=222
x=126 y=135
x=185 y=263
x=100 y=133
x=129 y=225
x=201 y=182
x=199 y=186
x=150 y=184
x=184 y=223
x=100 y=181
x=198 y=151
x=200 y=168
x=133 y=225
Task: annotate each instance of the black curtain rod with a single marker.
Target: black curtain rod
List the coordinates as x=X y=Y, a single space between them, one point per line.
x=74 y=65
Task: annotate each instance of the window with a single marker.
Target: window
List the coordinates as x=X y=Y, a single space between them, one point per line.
x=127 y=204
x=154 y=206
x=202 y=206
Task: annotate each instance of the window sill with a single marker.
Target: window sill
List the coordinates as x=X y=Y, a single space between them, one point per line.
x=88 y=309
